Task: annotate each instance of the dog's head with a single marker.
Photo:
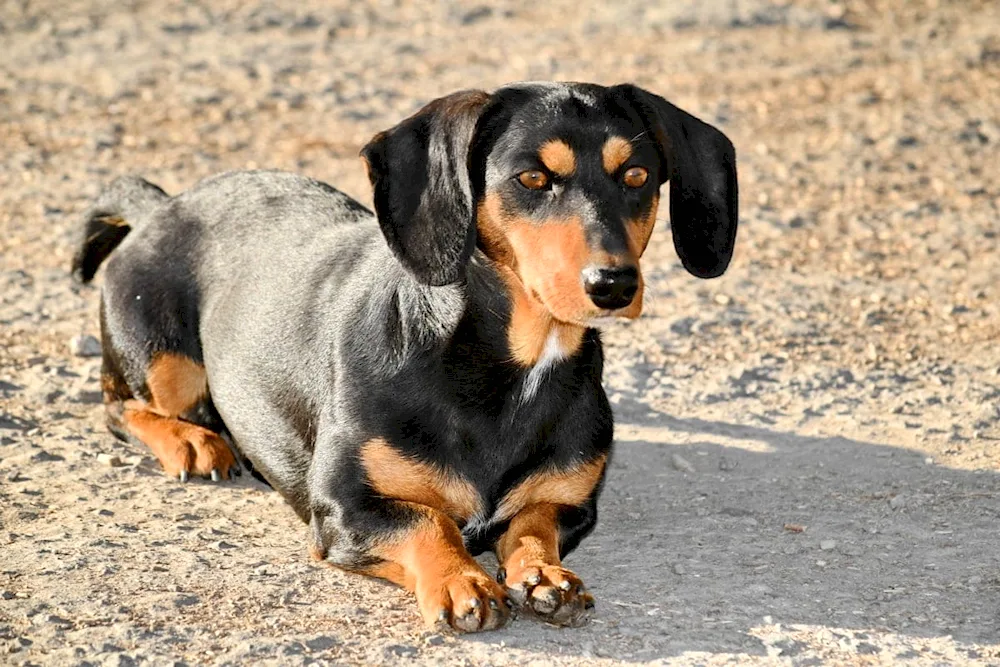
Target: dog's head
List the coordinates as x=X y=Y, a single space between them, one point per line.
x=559 y=183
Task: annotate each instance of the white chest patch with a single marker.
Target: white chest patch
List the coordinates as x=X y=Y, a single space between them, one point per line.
x=552 y=353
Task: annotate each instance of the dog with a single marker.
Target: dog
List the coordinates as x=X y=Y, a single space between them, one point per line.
x=421 y=384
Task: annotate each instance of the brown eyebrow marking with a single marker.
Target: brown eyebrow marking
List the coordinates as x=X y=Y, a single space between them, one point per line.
x=615 y=152
x=558 y=157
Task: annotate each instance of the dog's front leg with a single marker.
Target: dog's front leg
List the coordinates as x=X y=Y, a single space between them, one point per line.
x=411 y=544
x=531 y=567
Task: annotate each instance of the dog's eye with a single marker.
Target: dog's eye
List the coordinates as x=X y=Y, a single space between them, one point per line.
x=635 y=177
x=533 y=179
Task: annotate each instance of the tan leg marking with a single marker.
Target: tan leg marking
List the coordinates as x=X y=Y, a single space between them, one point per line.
x=529 y=550
x=393 y=475
x=176 y=384
x=615 y=152
x=571 y=486
x=430 y=560
x=558 y=157
x=179 y=445
x=532 y=570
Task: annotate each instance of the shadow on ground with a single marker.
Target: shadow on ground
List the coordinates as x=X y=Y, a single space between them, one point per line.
x=711 y=531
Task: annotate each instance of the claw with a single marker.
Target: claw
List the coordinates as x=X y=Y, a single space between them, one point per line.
x=184 y=475
x=589 y=604
x=534 y=579
x=494 y=605
x=501 y=575
x=475 y=603
x=443 y=615
x=216 y=475
x=565 y=585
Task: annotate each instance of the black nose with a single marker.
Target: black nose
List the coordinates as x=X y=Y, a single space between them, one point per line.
x=611 y=288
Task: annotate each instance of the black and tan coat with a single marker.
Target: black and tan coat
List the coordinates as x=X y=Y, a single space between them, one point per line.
x=421 y=384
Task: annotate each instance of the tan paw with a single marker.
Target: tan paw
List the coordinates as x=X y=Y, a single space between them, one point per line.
x=198 y=451
x=550 y=592
x=468 y=602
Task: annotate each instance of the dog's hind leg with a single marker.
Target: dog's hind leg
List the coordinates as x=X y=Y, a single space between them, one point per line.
x=156 y=389
x=182 y=447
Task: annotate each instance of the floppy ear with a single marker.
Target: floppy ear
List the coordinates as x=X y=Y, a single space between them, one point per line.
x=700 y=163
x=419 y=171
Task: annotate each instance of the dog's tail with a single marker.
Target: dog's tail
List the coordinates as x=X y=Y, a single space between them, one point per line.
x=124 y=205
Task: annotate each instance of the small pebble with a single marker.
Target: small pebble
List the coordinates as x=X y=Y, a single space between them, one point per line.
x=45 y=457
x=111 y=460
x=896 y=502
x=321 y=643
x=680 y=463
x=827 y=545
x=400 y=650
x=85 y=345
x=434 y=640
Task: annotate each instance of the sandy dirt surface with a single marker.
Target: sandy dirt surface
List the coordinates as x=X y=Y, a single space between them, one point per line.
x=807 y=463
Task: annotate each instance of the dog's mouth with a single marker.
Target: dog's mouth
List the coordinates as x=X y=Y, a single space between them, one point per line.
x=591 y=316
x=570 y=307
x=603 y=322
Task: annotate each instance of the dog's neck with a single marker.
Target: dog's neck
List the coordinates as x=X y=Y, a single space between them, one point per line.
x=513 y=328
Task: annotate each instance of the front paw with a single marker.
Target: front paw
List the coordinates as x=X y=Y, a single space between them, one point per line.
x=550 y=592
x=468 y=602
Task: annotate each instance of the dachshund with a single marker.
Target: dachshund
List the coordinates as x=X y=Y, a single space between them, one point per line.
x=421 y=384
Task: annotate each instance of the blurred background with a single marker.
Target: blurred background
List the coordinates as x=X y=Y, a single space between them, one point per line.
x=843 y=377
x=867 y=130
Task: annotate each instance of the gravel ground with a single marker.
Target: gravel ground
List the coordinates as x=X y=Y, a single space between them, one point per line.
x=808 y=456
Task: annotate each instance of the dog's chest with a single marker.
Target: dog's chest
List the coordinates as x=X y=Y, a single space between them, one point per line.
x=479 y=507
x=481 y=444
x=489 y=490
